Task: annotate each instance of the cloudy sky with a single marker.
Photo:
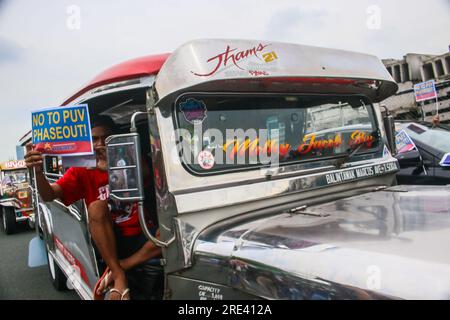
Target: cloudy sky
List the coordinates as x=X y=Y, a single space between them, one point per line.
x=49 y=49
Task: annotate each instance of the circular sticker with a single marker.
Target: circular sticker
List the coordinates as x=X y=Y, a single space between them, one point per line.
x=206 y=160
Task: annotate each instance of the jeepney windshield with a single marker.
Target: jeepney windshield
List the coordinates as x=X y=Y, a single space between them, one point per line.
x=14 y=177
x=230 y=132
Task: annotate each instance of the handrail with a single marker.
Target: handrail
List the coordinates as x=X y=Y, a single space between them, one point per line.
x=147 y=232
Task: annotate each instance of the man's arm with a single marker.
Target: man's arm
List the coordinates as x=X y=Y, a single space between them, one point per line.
x=149 y=250
x=47 y=191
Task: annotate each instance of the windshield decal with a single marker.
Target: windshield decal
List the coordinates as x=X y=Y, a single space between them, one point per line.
x=360 y=137
x=206 y=159
x=310 y=144
x=194 y=111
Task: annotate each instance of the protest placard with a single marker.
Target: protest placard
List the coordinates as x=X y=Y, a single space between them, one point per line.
x=404 y=142
x=62 y=131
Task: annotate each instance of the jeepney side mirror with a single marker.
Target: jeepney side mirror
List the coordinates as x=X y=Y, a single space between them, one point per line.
x=124 y=167
x=389 y=125
x=410 y=158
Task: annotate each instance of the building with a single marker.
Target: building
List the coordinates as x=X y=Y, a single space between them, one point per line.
x=20 y=152
x=415 y=68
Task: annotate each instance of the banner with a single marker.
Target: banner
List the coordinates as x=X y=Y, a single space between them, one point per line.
x=62 y=131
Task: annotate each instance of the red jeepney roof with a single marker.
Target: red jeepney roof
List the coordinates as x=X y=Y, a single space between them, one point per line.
x=144 y=66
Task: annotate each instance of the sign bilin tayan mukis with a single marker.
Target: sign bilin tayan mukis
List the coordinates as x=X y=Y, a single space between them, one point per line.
x=62 y=131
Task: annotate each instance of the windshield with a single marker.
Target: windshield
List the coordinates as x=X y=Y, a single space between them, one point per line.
x=14 y=177
x=437 y=138
x=226 y=132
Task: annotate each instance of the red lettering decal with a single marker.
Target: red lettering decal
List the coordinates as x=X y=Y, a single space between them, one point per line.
x=223 y=58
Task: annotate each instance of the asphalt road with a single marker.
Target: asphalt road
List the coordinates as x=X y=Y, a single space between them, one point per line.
x=17 y=280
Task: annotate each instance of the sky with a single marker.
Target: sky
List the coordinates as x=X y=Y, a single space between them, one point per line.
x=49 y=49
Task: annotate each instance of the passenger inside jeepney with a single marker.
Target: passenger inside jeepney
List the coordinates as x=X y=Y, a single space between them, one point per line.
x=115 y=229
x=138 y=256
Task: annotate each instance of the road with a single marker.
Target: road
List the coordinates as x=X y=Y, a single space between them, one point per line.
x=17 y=280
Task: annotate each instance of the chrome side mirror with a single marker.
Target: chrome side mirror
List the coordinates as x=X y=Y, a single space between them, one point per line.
x=389 y=125
x=124 y=167
x=410 y=158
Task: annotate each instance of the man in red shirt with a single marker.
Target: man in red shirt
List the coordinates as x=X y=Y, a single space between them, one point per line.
x=91 y=184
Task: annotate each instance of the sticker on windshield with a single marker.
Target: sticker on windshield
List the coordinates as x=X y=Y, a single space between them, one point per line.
x=194 y=111
x=386 y=152
x=206 y=159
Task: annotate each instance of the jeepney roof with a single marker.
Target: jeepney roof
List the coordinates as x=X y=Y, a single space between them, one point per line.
x=135 y=68
x=254 y=65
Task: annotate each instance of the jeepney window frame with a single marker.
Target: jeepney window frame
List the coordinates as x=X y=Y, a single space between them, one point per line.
x=176 y=125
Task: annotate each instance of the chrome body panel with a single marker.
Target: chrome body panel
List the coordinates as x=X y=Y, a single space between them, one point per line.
x=190 y=66
x=240 y=193
x=385 y=244
x=67 y=226
x=73 y=278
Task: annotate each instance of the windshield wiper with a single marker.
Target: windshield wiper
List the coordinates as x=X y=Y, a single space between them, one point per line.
x=350 y=153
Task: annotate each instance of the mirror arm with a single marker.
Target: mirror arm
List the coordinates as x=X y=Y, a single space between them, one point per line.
x=133 y=120
x=147 y=232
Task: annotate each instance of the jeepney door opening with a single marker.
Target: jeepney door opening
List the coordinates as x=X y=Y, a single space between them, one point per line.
x=120 y=106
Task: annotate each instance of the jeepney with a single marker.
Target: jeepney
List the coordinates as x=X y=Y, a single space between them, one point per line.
x=274 y=177
x=16 y=201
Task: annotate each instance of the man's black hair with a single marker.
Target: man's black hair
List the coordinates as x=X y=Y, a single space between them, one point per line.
x=103 y=121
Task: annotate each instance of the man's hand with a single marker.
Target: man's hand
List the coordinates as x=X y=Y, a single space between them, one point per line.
x=436 y=120
x=33 y=158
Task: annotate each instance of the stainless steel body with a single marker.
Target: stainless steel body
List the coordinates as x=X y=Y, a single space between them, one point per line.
x=391 y=243
x=67 y=237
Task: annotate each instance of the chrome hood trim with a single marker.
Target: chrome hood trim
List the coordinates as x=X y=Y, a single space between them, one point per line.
x=386 y=244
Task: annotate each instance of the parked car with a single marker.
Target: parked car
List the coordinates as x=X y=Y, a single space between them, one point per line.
x=424 y=151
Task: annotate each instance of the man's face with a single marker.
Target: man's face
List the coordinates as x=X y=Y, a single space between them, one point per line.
x=99 y=134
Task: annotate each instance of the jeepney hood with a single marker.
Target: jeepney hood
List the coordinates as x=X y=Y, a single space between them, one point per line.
x=390 y=243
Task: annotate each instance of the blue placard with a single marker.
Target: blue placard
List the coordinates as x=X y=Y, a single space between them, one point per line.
x=62 y=130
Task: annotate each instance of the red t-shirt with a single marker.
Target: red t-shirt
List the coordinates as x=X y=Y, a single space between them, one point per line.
x=126 y=216
x=84 y=183
x=92 y=185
